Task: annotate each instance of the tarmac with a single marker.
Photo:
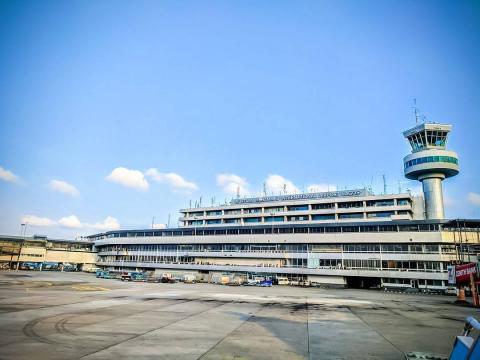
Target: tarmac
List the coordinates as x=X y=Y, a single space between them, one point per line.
x=57 y=315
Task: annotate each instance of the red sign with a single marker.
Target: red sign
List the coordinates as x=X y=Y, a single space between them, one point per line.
x=462 y=272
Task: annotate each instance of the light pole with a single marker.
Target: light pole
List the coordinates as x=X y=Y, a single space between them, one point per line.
x=23 y=233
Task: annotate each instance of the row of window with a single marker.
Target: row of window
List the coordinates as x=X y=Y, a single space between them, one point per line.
x=372 y=215
x=284 y=248
x=346 y=264
x=421 y=282
x=429 y=159
x=269 y=230
x=303 y=207
x=421 y=139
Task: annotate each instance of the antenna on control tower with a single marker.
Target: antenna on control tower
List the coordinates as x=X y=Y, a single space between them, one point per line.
x=417 y=114
x=384 y=185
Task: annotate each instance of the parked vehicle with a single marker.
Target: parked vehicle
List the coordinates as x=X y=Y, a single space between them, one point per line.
x=304 y=283
x=69 y=267
x=104 y=275
x=29 y=266
x=138 y=276
x=451 y=290
x=49 y=266
x=189 y=279
x=282 y=281
x=126 y=277
x=167 y=278
x=266 y=283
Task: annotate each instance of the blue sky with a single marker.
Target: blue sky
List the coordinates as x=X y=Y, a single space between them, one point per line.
x=193 y=99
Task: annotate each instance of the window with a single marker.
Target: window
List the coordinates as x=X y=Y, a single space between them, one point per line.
x=217 y=221
x=351 y=216
x=385 y=228
x=429 y=159
x=381 y=203
x=232 y=221
x=351 y=204
x=408 y=227
x=323 y=206
x=198 y=213
x=252 y=210
x=252 y=220
x=324 y=217
x=233 y=211
x=273 y=218
x=270 y=210
x=214 y=212
x=298 y=218
x=402 y=202
x=297 y=208
x=383 y=214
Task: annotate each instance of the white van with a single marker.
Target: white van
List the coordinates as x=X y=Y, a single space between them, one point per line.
x=282 y=281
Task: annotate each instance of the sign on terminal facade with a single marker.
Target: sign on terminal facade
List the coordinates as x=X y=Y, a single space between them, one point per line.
x=309 y=196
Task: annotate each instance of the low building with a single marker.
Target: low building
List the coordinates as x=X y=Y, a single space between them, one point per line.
x=37 y=250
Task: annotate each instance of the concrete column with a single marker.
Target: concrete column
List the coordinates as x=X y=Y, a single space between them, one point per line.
x=433 y=194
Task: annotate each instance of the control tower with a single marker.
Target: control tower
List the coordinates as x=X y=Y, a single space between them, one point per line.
x=430 y=163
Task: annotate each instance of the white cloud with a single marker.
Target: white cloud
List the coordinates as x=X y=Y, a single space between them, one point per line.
x=232 y=184
x=176 y=181
x=63 y=187
x=277 y=184
x=71 y=222
x=110 y=223
x=34 y=220
x=8 y=176
x=129 y=178
x=473 y=198
x=321 y=187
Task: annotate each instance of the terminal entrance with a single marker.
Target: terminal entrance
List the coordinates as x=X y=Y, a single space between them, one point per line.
x=357 y=282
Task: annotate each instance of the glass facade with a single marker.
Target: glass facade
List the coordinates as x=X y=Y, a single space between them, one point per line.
x=382 y=214
x=273 y=218
x=297 y=208
x=429 y=159
x=351 y=216
x=324 y=217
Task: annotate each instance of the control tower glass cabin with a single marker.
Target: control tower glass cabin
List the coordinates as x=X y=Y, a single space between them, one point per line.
x=430 y=163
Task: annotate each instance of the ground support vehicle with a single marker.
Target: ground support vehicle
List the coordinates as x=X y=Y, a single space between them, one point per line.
x=104 y=275
x=265 y=283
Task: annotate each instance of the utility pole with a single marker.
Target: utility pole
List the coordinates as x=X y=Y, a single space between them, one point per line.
x=24 y=228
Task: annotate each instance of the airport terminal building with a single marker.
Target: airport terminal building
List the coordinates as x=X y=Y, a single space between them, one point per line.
x=340 y=238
